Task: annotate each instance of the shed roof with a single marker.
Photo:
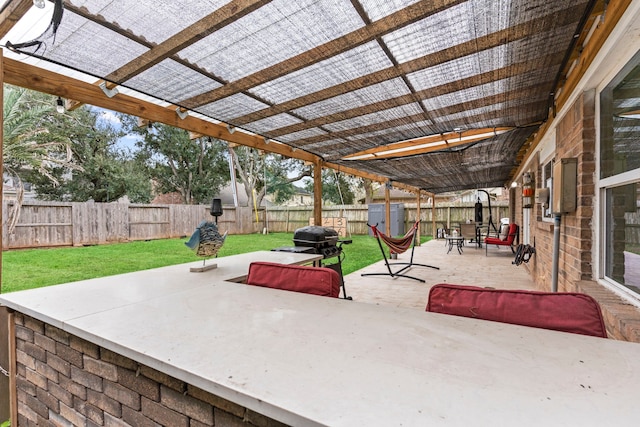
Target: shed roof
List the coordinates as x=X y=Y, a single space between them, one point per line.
x=440 y=95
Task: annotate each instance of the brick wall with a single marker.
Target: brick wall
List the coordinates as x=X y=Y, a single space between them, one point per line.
x=576 y=137
x=63 y=380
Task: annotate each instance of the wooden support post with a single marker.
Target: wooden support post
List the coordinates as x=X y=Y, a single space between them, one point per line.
x=434 y=228
x=317 y=192
x=418 y=216
x=387 y=208
x=2 y=164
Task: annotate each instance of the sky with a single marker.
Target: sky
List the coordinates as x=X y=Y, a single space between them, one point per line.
x=110 y=117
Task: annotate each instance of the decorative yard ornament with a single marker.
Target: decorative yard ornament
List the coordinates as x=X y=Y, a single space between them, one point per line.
x=206 y=240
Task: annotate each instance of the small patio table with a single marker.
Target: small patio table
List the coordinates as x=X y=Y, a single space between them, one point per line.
x=458 y=241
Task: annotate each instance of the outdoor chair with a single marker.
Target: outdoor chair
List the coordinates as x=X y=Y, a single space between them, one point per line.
x=468 y=232
x=513 y=235
x=561 y=311
x=444 y=231
x=297 y=278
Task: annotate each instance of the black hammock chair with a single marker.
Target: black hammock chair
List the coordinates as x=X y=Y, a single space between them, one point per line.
x=398 y=246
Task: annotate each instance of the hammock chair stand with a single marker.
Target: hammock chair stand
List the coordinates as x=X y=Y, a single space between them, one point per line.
x=409 y=239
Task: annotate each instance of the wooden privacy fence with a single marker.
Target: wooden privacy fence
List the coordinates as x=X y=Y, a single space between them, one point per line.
x=50 y=224
x=288 y=219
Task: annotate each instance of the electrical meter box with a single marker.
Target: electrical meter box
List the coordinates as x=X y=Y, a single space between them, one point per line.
x=565 y=186
x=376 y=215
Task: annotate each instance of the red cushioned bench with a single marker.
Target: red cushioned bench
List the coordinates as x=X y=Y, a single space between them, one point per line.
x=562 y=311
x=297 y=278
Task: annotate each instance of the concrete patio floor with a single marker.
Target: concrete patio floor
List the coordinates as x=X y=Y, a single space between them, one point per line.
x=471 y=267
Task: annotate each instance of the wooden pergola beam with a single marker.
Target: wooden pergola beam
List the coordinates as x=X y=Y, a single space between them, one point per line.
x=373 y=177
x=111 y=26
x=317 y=192
x=12 y=13
x=392 y=22
x=1 y=155
x=216 y=20
x=444 y=111
x=30 y=77
x=440 y=141
x=338 y=137
x=426 y=94
x=614 y=11
x=34 y=78
x=486 y=42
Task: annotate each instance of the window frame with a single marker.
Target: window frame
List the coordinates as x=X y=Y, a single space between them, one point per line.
x=546 y=168
x=601 y=250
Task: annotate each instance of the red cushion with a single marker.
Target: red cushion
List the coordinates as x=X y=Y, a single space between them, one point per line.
x=508 y=239
x=561 y=311
x=297 y=278
x=496 y=241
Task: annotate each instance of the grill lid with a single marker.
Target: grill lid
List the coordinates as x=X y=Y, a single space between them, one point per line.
x=315 y=236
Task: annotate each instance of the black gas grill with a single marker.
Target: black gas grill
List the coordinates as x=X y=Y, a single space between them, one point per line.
x=323 y=241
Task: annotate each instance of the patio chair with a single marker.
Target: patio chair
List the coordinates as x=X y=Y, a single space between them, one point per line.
x=444 y=231
x=560 y=311
x=513 y=235
x=468 y=232
x=297 y=278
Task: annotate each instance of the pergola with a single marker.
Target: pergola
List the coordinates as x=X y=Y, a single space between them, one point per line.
x=428 y=96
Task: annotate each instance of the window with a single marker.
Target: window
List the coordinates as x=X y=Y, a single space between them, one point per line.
x=547 y=182
x=622 y=236
x=619 y=178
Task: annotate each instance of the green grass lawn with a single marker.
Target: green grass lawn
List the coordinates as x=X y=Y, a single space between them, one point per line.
x=33 y=268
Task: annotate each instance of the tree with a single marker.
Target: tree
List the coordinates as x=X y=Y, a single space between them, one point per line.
x=336 y=187
x=196 y=169
x=367 y=184
x=105 y=173
x=254 y=168
x=31 y=144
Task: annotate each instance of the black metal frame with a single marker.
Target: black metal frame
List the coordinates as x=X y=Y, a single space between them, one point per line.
x=490 y=224
x=337 y=266
x=407 y=265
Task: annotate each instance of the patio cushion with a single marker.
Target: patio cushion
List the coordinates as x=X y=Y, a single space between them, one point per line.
x=562 y=311
x=311 y=280
x=504 y=240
